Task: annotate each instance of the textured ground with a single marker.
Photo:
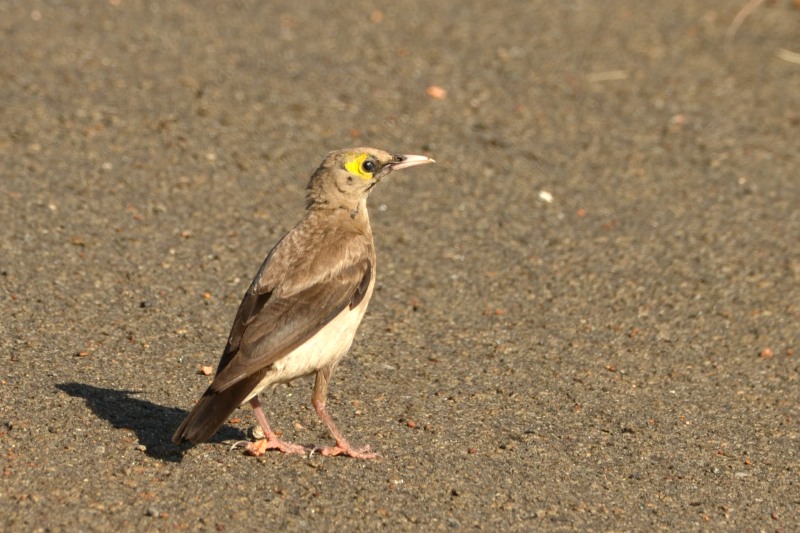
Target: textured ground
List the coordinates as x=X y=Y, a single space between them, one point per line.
x=623 y=357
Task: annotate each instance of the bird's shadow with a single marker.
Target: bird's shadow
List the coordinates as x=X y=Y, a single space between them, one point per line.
x=153 y=424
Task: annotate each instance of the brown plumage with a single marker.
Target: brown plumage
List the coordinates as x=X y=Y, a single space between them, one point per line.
x=302 y=309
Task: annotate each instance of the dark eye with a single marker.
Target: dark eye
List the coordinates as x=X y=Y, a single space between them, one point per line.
x=368 y=166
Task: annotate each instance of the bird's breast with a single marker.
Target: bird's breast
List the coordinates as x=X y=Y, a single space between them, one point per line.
x=326 y=347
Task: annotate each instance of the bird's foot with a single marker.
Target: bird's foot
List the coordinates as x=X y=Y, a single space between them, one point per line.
x=342 y=448
x=260 y=447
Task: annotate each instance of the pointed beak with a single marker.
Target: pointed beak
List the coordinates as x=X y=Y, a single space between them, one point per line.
x=405 y=161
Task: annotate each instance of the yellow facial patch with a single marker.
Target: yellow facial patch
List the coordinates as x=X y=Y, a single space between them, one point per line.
x=353 y=166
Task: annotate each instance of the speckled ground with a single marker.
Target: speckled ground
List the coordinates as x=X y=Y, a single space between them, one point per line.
x=588 y=313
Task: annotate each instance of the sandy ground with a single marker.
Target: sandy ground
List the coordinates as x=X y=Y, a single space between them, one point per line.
x=588 y=313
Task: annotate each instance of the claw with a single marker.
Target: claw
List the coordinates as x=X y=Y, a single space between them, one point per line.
x=239 y=444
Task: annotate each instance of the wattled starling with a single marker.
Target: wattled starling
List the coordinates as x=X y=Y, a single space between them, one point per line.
x=305 y=303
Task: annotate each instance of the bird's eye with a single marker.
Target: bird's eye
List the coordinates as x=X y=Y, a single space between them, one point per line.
x=368 y=166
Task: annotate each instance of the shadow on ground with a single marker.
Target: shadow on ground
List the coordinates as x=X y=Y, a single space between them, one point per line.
x=152 y=423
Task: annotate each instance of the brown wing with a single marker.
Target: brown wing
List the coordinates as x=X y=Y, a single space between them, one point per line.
x=273 y=325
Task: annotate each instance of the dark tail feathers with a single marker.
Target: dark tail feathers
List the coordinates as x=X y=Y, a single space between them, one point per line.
x=213 y=409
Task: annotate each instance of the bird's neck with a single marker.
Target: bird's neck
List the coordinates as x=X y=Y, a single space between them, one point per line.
x=359 y=212
x=356 y=215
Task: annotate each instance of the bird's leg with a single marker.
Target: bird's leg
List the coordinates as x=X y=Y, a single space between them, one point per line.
x=270 y=440
x=342 y=447
x=318 y=401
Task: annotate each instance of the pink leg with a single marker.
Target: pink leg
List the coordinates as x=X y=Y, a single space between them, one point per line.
x=342 y=447
x=270 y=440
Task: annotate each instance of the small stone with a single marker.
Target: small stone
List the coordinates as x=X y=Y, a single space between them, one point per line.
x=436 y=92
x=256 y=432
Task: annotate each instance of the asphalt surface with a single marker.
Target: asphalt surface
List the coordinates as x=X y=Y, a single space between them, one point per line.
x=587 y=314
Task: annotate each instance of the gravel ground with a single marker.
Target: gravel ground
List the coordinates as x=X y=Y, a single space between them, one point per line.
x=587 y=314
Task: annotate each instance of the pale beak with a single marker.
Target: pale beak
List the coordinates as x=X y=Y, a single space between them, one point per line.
x=405 y=161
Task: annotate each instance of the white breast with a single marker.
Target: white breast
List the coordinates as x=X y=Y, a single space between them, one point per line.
x=329 y=345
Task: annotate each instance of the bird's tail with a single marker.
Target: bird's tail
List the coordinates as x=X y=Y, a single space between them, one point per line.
x=213 y=409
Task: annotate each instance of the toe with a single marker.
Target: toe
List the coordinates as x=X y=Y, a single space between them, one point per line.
x=257 y=448
x=345 y=449
x=288 y=447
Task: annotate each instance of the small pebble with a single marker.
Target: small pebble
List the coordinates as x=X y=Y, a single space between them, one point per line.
x=436 y=92
x=256 y=432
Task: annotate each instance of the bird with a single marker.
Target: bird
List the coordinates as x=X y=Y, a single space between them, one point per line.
x=302 y=309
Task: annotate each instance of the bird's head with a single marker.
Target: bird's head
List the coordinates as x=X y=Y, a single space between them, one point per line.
x=345 y=177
